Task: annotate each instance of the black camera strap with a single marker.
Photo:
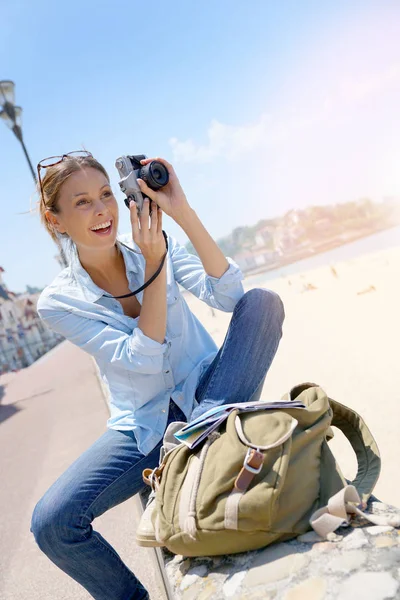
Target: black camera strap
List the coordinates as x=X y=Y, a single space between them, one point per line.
x=152 y=278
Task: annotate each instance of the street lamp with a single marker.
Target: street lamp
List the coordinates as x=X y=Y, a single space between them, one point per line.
x=11 y=114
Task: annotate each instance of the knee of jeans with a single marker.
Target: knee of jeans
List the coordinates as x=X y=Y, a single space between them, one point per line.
x=52 y=523
x=265 y=300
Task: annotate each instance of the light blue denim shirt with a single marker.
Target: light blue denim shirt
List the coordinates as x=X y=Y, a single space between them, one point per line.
x=141 y=373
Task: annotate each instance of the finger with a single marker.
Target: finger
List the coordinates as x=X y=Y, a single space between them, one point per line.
x=166 y=164
x=144 y=215
x=169 y=167
x=134 y=220
x=153 y=217
x=144 y=188
x=159 y=220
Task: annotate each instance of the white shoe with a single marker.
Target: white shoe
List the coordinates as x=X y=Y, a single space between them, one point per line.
x=145 y=534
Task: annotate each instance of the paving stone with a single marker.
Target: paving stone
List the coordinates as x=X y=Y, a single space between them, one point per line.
x=192 y=593
x=388 y=559
x=313 y=588
x=354 y=540
x=384 y=542
x=208 y=592
x=334 y=537
x=187 y=581
x=193 y=575
x=218 y=575
x=174 y=559
x=273 y=564
x=241 y=559
x=253 y=595
x=184 y=566
x=378 y=529
x=369 y=586
x=233 y=583
x=365 y=564
x=324 y=547
x=309 y=538
x=380 y=507
x=198 y=570
x=348 y=561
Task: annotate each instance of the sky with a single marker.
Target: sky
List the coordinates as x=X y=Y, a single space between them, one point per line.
x=260 y=106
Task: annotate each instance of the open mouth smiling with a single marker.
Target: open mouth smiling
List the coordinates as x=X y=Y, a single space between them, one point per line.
x=102 y=228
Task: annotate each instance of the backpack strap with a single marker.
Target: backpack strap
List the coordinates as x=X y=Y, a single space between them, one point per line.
x=364 y=445
x=342 y=505
x=340 y=508
x=360 y=437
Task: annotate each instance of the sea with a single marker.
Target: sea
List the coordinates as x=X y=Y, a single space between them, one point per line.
x=372 y=243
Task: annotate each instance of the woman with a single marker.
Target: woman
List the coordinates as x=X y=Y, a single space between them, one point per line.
x=159 y=362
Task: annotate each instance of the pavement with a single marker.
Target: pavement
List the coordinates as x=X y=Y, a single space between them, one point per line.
x=49 y=414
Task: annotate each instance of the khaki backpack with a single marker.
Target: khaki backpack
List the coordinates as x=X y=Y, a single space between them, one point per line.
x=264 y=477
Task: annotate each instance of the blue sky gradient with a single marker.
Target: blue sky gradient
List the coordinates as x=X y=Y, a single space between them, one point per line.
x=261 y=107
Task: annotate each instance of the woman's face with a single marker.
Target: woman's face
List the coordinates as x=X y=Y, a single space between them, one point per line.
x=87 y=210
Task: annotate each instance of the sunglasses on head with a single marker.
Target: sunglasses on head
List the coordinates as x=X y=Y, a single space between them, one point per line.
x=51 y=161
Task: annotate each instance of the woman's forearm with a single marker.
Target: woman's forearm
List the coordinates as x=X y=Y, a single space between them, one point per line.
x=211 y=256
x=153 y=314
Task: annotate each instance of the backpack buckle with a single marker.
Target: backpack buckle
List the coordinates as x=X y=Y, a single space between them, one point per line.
x=152 y=476
x=252 y=465
x=257 y=458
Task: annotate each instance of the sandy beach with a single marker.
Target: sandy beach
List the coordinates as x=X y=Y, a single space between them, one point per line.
x=342 y=331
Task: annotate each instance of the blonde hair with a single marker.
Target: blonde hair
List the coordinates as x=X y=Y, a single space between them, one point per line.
x=53 y=180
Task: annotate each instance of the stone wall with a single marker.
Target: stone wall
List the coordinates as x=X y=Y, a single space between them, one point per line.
x=362 y=561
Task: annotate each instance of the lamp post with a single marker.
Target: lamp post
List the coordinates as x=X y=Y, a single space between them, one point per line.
x=11 y=114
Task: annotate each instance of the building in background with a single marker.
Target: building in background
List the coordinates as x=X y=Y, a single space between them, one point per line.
x=23 y=336
x=300 y=233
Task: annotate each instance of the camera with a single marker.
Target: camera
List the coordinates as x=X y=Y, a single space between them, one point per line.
x=155 y=174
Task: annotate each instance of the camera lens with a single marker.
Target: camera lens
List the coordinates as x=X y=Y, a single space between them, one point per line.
x=155 y=175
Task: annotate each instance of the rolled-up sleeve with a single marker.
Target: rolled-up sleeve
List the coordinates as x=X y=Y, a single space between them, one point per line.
x=134 y=352
x=141 y=343
x=221 y=293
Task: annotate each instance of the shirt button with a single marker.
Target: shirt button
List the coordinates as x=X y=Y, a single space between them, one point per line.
x=163 y=410
x=166 y=371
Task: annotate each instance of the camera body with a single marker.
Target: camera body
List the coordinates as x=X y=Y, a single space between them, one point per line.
x=155 y=174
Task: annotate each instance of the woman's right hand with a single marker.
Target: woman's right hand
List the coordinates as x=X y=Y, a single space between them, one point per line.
x=150 y=240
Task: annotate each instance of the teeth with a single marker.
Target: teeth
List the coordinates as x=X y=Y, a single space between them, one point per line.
x=101 y=226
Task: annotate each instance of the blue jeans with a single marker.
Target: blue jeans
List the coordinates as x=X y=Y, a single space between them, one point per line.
x=110 y=471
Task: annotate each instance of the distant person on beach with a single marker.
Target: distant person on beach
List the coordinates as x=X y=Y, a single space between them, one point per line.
x=159 y=362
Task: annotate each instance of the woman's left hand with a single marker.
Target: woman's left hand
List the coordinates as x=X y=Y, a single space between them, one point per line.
x=171 y=198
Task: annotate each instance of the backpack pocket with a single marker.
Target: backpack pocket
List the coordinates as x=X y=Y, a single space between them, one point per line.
x=244 y=471
x=258 y=484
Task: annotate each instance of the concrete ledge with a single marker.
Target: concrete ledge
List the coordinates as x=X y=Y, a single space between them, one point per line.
x=363 y=561
x=361 y=558
x=159 y=553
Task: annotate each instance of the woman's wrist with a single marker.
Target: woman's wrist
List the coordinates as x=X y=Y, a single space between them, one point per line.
x=155 y=263
x=185 y=217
